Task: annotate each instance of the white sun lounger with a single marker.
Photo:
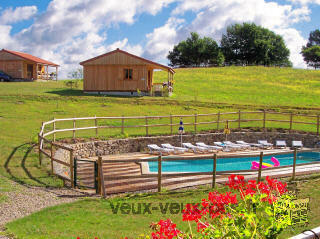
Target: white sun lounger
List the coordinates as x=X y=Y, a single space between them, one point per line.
x=240 y=146
x=176 y=149
x=195 y=148
x=250 y=144
x=201 y=144
x=281 y=144
x=265 y=143
x=153 y=148
x=297 y=144
x=226 y=147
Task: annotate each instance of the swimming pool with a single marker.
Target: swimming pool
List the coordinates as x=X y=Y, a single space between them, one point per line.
x=226 y=164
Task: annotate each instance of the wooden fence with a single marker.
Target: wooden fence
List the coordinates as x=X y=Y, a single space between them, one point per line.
x=160 y=175
x=49 y=130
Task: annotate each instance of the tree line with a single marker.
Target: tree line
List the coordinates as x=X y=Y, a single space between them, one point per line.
x=242 y=44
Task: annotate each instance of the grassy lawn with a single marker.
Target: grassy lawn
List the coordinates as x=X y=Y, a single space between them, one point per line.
x=23 y=106
x=98 y=217
x=255 y=86
x=264 y=86
x=5 y=186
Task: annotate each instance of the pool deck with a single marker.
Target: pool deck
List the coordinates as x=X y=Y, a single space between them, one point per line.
x=134 y=178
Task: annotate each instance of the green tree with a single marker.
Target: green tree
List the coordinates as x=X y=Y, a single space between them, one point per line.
x=250 y=44
x=311 y=52
x=196 y=51
x=76 y=74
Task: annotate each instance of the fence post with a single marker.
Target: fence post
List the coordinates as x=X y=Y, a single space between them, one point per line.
x=195 y=123
x=294 y=164
x=96 y=124
x=71 y=169
x=260 y=167
x=75 y=171
x=51 y=154
x=264 y=119
x=239 y=119
x=39 y=148
x=159 y=172
x=101 y=177
x=171 y=124
x=218 y=121
x=291 y=116
x=96 y=177
x=54 y=129
x=122 y=125
x=74 y=131
x=147 y=130
x=318 y=124
x=214 y=171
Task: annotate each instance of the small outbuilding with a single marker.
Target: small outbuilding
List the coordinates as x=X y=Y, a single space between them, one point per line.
x=25 y=66
x=121 y=73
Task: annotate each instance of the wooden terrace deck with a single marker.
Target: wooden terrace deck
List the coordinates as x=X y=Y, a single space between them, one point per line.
x=140 y=181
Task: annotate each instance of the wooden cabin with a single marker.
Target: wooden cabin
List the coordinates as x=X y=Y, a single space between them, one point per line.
x=25 y=66
x=121 y=73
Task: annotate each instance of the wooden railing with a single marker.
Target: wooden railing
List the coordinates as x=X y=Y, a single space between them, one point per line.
x=160 y=175
x=49 y=152
x=215 y=122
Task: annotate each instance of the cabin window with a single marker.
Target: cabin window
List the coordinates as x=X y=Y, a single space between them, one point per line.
x=128 y=74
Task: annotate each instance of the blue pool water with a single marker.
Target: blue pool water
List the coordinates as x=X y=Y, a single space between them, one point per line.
x=226 y=164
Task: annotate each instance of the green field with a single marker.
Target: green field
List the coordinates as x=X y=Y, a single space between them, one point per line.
x=90 y=218
x=23 y=106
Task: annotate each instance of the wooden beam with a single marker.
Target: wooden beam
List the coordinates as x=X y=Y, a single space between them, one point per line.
x=71 y=169
x=159 y=172
x=214 y=171
x=101 y=180
x=260 y=167
x=294 y=164
x=218 y=121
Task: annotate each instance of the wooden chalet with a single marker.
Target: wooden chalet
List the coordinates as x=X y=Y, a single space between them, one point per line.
x=121 y=73
x=25 y=66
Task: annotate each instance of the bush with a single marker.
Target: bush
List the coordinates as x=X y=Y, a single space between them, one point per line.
x=72 y=84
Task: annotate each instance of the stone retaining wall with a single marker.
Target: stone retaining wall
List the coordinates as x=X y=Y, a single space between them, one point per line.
x=116 y=146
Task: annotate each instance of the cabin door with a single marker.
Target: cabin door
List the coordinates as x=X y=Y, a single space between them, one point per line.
x=149 y=80
x=29 y=71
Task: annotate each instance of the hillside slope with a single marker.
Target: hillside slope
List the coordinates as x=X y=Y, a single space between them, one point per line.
x=268 y=86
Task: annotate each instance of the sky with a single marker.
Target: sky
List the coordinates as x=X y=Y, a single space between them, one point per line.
x=67 y=32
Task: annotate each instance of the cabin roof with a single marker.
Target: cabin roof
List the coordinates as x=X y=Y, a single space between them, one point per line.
x=30 y=57
x=129 y=54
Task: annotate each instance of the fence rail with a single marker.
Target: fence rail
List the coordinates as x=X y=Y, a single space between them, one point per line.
x=213 y=120
x=160 y=175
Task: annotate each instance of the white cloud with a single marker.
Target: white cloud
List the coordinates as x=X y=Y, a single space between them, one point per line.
x=10 y=15
x=294 y=42
x=5 y=38
x=305 y=2
x=213 y=16
x=124 y=45
x=162 y=39
x=71 y=31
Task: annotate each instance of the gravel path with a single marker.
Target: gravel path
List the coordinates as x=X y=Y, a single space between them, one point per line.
x=24 y=200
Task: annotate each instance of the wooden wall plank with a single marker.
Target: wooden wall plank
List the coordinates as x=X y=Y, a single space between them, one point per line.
x=111 y=77
x=12 y=67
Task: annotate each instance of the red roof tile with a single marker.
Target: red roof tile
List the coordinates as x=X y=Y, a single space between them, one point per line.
x=31 y=58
